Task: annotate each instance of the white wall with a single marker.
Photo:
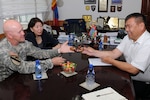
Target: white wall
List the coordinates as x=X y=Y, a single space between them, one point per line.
x=1 y=25
x=76 y=8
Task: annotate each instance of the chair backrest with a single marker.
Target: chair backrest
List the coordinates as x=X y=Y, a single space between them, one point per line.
x=76 y=26
x=121 y=34
x=2 y=36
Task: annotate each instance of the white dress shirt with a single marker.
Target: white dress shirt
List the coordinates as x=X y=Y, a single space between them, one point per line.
x=138 y=54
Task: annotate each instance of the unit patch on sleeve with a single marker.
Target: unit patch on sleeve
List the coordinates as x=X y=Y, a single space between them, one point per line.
x=15 y=59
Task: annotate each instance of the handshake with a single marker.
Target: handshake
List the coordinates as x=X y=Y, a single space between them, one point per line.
x=78 y=48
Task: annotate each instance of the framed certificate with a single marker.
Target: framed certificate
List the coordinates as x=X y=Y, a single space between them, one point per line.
x=121 y=23
x=102 y=5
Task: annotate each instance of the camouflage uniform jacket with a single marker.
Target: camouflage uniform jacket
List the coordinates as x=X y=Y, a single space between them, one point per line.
x=13 y=58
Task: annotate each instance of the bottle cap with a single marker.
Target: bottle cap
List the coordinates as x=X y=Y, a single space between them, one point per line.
x=37 y=61
x=91 y=66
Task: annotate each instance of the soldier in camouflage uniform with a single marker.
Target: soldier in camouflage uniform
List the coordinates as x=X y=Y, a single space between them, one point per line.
x=14 y=49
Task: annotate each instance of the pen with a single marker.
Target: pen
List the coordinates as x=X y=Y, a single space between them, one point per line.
x=104 y=94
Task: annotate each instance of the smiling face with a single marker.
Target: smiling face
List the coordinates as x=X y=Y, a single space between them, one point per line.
x=37 y=29
x=18 y=34
x=14 y=32
x=134 y=28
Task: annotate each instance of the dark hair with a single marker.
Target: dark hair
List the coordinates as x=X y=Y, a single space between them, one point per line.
x=138 y=16
x=32 y=23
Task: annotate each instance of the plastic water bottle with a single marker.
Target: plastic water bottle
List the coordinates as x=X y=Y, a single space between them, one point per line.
x=100 y=45
x=90 y=77
x=71 y=39
x=38 y=70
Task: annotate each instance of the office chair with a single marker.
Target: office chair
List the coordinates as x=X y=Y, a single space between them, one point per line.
x=76 y=26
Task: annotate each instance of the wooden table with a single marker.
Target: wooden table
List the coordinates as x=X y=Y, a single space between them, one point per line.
x=58 y=87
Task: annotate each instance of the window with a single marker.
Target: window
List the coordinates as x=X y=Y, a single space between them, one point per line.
x=23 y=10
x=24 y=19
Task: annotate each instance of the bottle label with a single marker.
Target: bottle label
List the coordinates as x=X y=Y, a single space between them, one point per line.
x=90 y=77
x=39 y=67
x=100 y=45
x=38 y=71
x=71 y=39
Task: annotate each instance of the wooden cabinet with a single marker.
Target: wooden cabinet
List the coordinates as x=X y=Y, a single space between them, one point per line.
x=50 y=22
x=2 y=35
x=146 y=11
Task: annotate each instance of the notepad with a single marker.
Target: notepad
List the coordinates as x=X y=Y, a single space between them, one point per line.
x=104 y=94
x=97 y=62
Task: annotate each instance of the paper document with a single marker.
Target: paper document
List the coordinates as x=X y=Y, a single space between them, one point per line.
x=97 y=62
x=104 y=94
x=117 y=40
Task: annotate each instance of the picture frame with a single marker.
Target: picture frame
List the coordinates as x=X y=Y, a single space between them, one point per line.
x=102 y=5
x=100 y=22
x=119 y=8
x=54 y=32
x=121 y=23
x=113 y=23
x=112 y=8
x=116 y=2
x=89 y=1
x=87 y=18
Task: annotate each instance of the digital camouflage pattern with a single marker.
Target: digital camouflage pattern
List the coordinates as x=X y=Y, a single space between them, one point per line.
x=14 y=58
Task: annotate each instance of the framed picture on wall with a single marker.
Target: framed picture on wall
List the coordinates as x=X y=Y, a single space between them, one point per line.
x=102 y=5
x=112 y=8
x=116 y=2
x=100 y=22
x=89 y=1
x=121 y=23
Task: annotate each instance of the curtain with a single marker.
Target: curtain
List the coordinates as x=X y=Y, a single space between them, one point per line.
x=10 y=8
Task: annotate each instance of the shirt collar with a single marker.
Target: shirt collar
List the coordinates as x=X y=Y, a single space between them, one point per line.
x=142 y=37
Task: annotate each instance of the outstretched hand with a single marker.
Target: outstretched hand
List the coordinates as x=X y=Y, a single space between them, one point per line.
x=88 y=50
x=65 y=48
x=107 y=59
